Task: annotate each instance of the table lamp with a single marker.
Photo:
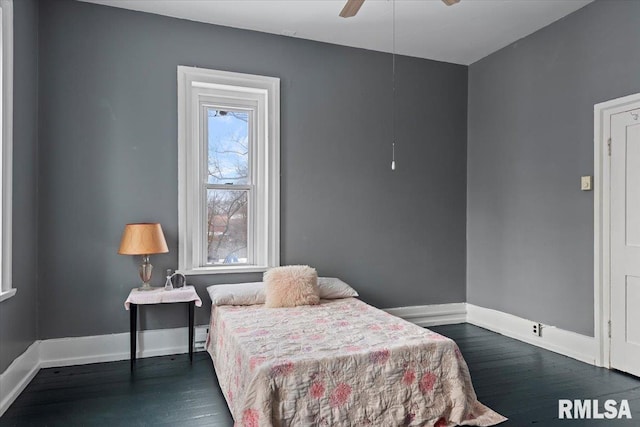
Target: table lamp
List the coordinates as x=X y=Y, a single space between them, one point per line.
x=143 y=239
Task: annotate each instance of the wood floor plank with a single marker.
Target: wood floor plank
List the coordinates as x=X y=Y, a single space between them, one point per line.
x=518 y=380
x=526 y=389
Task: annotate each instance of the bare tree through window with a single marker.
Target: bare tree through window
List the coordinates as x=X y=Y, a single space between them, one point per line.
x=228 y=174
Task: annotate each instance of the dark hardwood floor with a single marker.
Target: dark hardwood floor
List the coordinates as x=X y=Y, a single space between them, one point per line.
x=520 y=381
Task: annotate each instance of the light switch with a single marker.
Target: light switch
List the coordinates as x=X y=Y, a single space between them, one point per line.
x=586 y=183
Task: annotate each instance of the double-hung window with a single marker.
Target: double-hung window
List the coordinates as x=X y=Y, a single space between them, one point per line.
x=6 y=146
x=228 y=155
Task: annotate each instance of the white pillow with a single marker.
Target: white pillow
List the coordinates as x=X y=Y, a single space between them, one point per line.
x=334 y=288
x=253 y=293
x=237 y=294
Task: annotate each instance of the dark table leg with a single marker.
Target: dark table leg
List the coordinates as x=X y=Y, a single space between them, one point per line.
x=133 y=331
x=191 y=329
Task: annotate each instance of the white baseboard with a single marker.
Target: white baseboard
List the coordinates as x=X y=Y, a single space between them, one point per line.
x=93 y=349
x=18 y=375
x=432 y=315
x=571 y=344
x=113 y=347
x=109 y=348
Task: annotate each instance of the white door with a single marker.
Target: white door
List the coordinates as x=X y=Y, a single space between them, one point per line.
x=625 y=241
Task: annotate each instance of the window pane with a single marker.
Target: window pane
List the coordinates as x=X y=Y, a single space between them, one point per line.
x=228 y=146
x=227 y=226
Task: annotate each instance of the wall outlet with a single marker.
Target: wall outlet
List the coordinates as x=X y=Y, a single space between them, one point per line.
x=200 y=337
x=537 y=329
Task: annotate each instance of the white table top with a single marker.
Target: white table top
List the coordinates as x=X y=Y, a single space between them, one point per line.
x=160 y=296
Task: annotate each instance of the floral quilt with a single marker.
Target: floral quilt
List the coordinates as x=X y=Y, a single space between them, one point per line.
x=339 y=363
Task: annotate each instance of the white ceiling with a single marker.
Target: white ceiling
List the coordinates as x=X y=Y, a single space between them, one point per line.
x=462 y=33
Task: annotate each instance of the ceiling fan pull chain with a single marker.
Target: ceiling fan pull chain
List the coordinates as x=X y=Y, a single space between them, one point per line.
x=393 y=85
x=393 y=156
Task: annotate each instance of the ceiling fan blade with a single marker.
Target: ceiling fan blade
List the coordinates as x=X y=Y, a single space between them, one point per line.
x=351 y=8
x=450 y=2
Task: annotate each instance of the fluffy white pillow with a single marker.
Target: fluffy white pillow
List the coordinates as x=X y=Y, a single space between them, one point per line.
x=253 y=292
x=238 y=294
x=334 y=288
x=291 y=286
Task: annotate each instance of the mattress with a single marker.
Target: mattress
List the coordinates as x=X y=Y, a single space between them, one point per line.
x=339 y=363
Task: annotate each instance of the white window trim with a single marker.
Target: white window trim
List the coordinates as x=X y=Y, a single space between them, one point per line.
x=189 y=168
x=6 y=289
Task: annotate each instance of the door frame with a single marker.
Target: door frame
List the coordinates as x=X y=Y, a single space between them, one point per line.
x=602 y=221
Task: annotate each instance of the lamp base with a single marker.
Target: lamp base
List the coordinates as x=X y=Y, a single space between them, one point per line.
x=145 y=270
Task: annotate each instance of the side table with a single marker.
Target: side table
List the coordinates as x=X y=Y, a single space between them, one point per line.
x=185 y=294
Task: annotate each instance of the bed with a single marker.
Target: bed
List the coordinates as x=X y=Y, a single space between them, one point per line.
x=338 y=363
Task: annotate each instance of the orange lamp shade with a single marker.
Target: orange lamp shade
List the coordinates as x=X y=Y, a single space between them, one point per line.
x=143 y=239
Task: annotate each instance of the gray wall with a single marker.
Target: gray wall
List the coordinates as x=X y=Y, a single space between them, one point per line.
x=530 y=228
x=18 y=315
x=108 y=157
